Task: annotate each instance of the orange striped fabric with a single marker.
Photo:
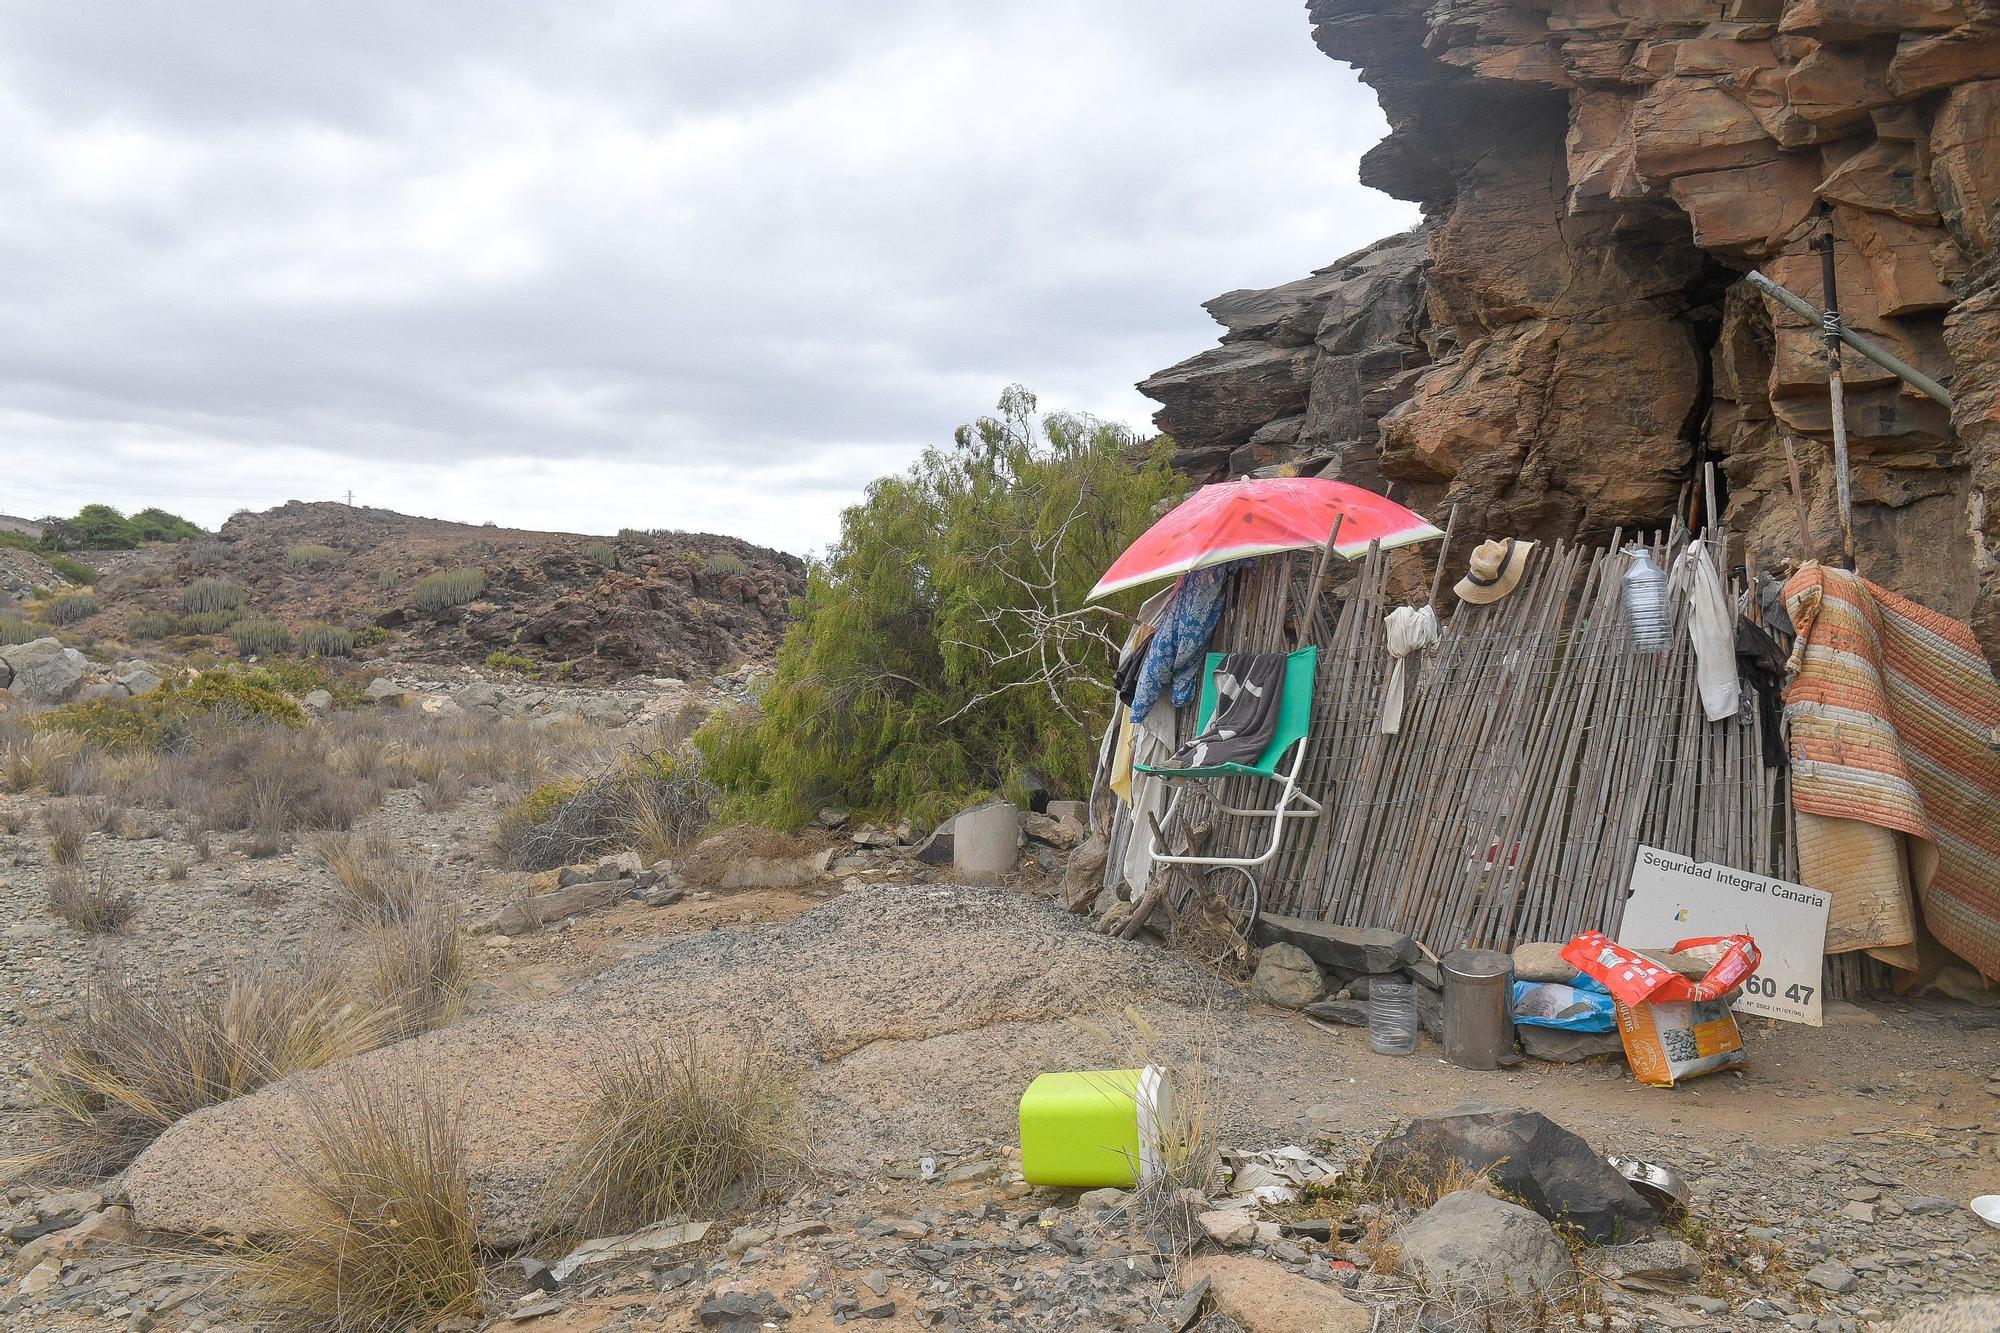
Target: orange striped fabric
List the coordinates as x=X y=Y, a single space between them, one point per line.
x=1891 y=711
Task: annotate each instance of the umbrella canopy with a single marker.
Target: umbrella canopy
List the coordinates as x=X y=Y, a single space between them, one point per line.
x=1230 y=520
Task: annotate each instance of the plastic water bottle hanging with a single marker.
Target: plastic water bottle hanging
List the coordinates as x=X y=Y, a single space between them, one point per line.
x=1646 y=601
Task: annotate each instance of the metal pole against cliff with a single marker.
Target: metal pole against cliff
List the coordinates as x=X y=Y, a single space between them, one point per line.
x=1829 y=324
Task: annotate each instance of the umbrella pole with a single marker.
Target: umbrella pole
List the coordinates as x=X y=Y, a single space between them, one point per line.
x=1444 y=553
x=1836 y=391
x=1312 y=590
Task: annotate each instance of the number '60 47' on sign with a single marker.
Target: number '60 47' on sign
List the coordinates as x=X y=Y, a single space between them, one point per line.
x=1768 y=988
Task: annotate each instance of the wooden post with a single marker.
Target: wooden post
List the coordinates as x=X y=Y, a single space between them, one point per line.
x=1306 y=613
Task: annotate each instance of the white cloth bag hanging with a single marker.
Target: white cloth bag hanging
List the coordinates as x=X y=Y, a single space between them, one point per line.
x=1407 y=629
x=1711 y=628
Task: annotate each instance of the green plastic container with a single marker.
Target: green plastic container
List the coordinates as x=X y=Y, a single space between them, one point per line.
x=1097 y=1128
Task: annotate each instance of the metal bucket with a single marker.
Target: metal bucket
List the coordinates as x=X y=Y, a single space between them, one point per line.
x=1478 y=1022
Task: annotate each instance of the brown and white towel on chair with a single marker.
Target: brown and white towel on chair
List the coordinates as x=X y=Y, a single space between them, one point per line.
x=1249 y=691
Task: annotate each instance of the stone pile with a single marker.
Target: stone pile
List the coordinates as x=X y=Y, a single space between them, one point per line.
x=44 y=671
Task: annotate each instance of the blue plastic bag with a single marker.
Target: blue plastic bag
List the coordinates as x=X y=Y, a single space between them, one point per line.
x=1579 y=1005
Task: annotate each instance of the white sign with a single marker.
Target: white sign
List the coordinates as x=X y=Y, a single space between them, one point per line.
x=1675 y=898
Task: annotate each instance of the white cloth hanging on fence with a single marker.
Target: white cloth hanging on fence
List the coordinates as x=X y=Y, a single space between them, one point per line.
x=1712 y=629
x=1407 y=629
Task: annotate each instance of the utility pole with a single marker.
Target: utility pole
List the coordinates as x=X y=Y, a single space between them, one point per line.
x=350 y=499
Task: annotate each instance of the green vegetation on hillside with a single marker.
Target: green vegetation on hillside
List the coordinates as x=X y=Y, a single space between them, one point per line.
x=73 y=570
x=942 y=648
x=98 y=527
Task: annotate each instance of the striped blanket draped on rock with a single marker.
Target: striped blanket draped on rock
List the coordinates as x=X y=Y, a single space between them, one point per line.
x=1891 y=712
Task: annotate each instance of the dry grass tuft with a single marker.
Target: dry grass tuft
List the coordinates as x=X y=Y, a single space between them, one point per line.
x=30 y=759
x=87 y=903
x=417 y=970
x=377 y=883
x=377 y=1231
x=66 y=823
x=674 y=1130
x=1184 y=1141
x=135 y=1058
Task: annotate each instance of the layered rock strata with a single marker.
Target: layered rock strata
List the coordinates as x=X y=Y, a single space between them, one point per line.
x=1568 y=337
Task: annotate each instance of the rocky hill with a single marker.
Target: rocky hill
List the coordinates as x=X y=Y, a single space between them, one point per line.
x=590 y=608
x=1568 y=335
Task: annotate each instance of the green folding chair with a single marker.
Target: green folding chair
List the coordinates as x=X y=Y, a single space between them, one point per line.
x=1294 y=720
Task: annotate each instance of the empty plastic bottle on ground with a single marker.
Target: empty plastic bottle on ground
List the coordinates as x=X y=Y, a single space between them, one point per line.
x=1392 y=1017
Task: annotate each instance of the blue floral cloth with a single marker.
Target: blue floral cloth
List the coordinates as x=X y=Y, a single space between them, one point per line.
x=1178 y=646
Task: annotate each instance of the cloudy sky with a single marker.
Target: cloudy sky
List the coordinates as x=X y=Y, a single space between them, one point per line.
x=691 y=264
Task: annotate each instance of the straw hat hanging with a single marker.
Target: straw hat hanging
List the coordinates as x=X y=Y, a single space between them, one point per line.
x=1495 y=567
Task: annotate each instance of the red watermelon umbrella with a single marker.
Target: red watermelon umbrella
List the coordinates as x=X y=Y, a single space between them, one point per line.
x=1231 y=520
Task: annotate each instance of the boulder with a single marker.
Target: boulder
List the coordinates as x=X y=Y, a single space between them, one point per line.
x=1349 y=949
x=1287 y=977
x=1050 y=831
x=771 y=872
x=479 y=697
x=98 y=690
x=532 y=913
x=886 y=1002
x=137 y=677
x=1265 y=1298
x=317 y=702
x=1073 y=812
x=385 y=693
x=43 y=671
x=1531 y=1157
x=1473 y=1243
x=601 y=709
x=986 y=841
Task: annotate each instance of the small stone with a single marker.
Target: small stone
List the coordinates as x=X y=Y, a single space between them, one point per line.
x=1858 y=1212
x=876 y=1280
x=1104 y=1200
x=745 y=1237
x=1831 y=1275
x=1231 y=1228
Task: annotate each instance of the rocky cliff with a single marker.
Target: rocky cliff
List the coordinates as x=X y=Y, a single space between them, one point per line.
x=1568 y=337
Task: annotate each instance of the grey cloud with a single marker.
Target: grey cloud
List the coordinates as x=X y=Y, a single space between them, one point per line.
x=685 y=243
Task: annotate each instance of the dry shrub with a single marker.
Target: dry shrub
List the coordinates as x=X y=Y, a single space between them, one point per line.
x=705 y=862
x=653 y=803
x=66 y=823
x=417 y=970
x=177 y=868
x=272 y=781
x=377 y=883
x=674 y=1130
x=30 y=759
x=1419 y=1306
x=377 y=1227
x=89 y=903
x=136 y=1057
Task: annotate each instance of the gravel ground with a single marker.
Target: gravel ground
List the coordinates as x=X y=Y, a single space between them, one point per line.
x=1830 y=1177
